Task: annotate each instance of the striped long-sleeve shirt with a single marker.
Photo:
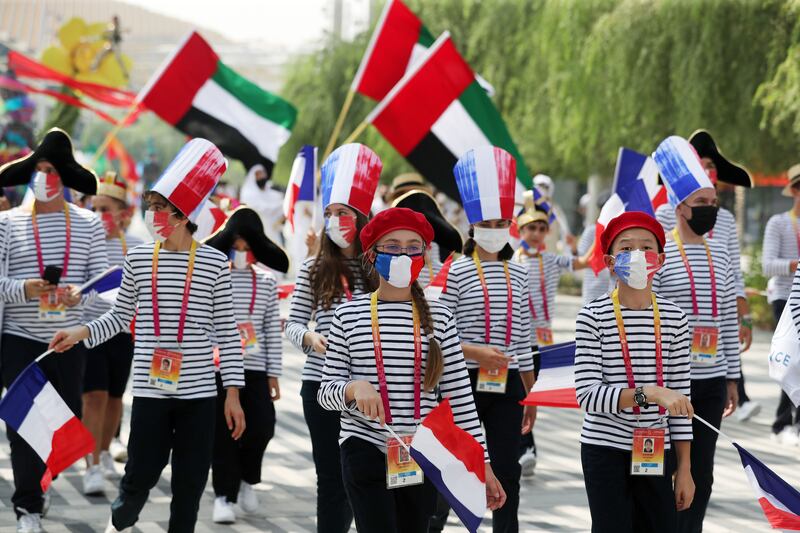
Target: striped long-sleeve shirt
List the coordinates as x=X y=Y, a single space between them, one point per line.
x=724 y=232
x=266 y=321
x=600 y=375
x=781 y=247
x=209 y=316
x=464 y=298
x=302 y=313
x=593 y=286
x=116 y=256
x=672 y=282
x=87 y=258
x=794 y=299
x=553 y=265
x=351 y=357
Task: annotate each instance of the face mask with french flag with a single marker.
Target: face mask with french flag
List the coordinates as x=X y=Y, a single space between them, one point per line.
x=341 y=229
x=399 y=270
x=46 y=186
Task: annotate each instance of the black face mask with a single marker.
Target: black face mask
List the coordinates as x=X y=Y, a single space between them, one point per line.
x=703 y=218
x=261 y=183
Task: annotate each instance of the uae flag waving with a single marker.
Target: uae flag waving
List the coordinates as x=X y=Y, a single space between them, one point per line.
x=437 y=112
x=202 y=97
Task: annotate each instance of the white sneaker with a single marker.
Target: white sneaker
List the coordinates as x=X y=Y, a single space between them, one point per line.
x=94 y=482
x=528 y=463
x=223 y=511
x=747 y=410
x=45 y=503
x=248 y=499
x=118 y=451
x=111 y=529
x=108 y=466
x=29 y=522
x=787 y=436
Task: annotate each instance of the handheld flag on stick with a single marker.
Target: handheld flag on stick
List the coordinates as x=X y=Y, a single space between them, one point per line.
x=454 y=462
x=635 y=188
x=555 y=386
x=106 y=284
x=33 y=409
x=302 y=185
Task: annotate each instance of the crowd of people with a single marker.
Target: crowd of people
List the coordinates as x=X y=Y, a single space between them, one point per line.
x=195 y=329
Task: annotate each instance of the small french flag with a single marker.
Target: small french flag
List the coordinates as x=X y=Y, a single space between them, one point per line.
x=302 y=182
x=779 y=500
x=33 y=408
x=210 y=218
x=454 y=462
x=106 y=284
x=438 y=284
x=555 y=386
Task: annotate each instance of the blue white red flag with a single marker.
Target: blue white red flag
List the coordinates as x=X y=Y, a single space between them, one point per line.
x=438 y=284
x=779 y=500
x=453 y=461
x=635 y=188
x=555 y=386
x=302 y=181
x=33 y=408
x=106 y=284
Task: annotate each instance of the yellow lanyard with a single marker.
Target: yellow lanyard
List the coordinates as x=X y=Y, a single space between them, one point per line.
x=695 y=308
x=487 y=307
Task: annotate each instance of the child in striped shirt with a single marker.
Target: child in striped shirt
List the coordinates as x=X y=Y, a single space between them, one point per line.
x=632 y=380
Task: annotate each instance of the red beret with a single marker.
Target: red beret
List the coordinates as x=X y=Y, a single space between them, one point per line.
x=628 y=220
x=392 y=219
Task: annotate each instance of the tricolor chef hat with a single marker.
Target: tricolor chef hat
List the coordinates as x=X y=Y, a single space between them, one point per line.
x=680 y=169
x=486 y=177
x=350 y=176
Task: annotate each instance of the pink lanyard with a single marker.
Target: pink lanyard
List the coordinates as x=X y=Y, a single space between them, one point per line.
x=186 y=287
x=68 y=235
x=712 y=275
x=487 y=305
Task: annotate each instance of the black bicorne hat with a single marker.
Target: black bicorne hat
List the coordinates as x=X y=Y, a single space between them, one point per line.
x=245 y=223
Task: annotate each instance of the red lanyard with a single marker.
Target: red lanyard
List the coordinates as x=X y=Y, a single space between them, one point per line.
x=376 y=339
x=487 y=307
x=186 y=287
x=253 y=293
x=68 y=232
x=626 y=354
x=712 y=275
x=346 y=288
x=793 y=218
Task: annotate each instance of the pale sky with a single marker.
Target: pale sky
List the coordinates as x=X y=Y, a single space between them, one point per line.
x=290 y=23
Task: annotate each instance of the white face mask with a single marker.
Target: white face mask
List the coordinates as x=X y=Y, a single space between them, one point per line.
x=491 y=239
x=240 y=259
x=46 y=186
x=157 y=223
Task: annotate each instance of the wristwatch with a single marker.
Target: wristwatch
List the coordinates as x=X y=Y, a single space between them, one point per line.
x=640 y=398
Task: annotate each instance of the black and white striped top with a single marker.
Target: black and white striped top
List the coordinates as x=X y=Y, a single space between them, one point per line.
x=464 y=298
x=301 y=315
x=672 y=282
x=724 y=231
x=553 y=265
x=115 y=257
x=794 y=299
x=593 y=286
x=265 y=318
x=87 y=258
x=209 y=316
x=351 y=357
x=432 y=265
x=600 y=375
x=780 y=249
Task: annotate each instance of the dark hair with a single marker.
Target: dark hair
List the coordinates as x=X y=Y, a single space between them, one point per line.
x=469 y=246
x=191 y=227
x=329 y=267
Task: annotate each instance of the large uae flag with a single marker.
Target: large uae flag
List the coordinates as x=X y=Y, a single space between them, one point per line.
x=202 y=97
x=437 y=112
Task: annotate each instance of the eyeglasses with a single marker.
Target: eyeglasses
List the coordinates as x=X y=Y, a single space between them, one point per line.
x=394 y=249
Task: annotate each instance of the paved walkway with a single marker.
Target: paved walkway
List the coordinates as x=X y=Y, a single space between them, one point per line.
x=553 y=501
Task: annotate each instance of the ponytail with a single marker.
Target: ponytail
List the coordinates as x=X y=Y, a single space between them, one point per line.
x=434 y=366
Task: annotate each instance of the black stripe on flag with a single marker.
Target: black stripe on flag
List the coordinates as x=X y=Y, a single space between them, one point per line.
x=435 y=162
x=230 y=141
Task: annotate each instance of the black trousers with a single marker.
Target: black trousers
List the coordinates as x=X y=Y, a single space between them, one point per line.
x=65 y=372
x=622 y=503
x=236 y=461
x=334 y=514
x=158 y=426
x=501 y=416
x=786 y=414
x=378 y=509
x=708 y=399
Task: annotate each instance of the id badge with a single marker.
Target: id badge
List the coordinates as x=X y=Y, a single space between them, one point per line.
x=401 y=469
x=647 y=452
x=492 y=380
x=544 y=336
x=165 y=370
x=704 y=345
x=51 y=305
x=248 y=334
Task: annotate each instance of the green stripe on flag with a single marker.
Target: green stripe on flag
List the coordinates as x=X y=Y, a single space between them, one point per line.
x=271 y=107
x=426 y=38
x=488 y=119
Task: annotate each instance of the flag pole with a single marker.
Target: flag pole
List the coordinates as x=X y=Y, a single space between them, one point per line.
x=390 y=430
x=114 y=132
x=45 y=354
x=358 y=131
x=712 y=428
x=337 y=128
